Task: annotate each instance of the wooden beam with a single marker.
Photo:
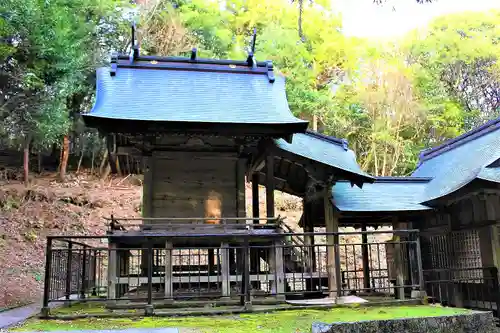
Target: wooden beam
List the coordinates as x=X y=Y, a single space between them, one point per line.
x=240 y=188
x=258 y=162
x=398 y=261
x=255 y=197
x=332 y=250
x=270 y=185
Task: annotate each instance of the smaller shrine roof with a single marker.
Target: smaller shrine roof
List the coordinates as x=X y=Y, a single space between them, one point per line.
x=386 y=194
x=327 y=150
x=459 y=161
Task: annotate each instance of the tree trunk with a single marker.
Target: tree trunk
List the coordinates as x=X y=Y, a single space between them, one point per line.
x=26 y=161
x=79 y=163
x=315 y=123
x=92 y=163
x=40 y=166
x=64 y=158
x=103 y=161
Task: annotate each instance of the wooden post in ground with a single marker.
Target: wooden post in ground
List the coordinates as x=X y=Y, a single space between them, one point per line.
x=279 y=269
x=168 y=270
x=332 y=249
x=254 y=254
x=310 y=252
x=112 y=263
x=398 y=259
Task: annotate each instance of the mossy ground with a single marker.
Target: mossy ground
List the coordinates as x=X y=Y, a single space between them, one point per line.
x=274 y=322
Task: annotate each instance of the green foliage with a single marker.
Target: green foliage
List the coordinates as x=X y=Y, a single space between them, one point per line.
x=272 y=322
x=52 y=50
x=388 y=99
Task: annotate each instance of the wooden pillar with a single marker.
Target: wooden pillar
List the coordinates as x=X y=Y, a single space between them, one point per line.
x=366 y=258
x=112 y=265
x=270 y=184
x=255 y=197
x=489 y=246
x=276 y=265
x=332 y=249
x=147 y=203
x=310 y=252
x=255 y=253
x=398 y=260
x=240 y=185
x=168 y=270
x=279 y=269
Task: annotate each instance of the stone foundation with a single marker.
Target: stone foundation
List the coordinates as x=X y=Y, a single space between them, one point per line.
x=473 y=322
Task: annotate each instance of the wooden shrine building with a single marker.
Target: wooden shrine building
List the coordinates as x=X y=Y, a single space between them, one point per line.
x=203 y=128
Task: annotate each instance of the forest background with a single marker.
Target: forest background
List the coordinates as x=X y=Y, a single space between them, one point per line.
x=389 y=98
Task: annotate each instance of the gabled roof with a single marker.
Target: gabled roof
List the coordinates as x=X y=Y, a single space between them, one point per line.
x=171 y=93
x=327 y=150
x=386 y=194
x=460 y=161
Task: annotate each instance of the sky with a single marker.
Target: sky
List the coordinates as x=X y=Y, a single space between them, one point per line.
x=364 y=19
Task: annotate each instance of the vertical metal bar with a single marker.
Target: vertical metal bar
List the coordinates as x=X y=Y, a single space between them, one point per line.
x=84 y=273
x=364 y=255
x=246 y=272
x=68 y=270
x=48 y=272
x=150 y=272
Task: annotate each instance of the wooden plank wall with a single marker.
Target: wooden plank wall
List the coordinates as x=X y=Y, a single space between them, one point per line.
x=456 y=237
x=182 y=181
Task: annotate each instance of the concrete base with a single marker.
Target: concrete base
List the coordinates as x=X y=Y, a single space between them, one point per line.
x=418 y=294
x=149 y=310
x=474 y=322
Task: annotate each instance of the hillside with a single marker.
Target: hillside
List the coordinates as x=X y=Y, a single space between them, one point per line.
x=78 y=206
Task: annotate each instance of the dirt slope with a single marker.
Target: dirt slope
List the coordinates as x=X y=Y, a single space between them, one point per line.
x=27 y=216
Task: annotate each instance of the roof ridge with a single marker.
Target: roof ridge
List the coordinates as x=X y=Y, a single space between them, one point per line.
x=396 y=179
x=450 y=144
x=329 y=139
x=402 y=179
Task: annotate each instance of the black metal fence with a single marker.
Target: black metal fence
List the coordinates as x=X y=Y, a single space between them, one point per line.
x=151 y=270
x=474 y=288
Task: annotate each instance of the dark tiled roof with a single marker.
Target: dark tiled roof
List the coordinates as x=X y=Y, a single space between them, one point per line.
x=386 y=194
x=172 y=91
x=326 y=150
x=461 y=160
x=490 y=174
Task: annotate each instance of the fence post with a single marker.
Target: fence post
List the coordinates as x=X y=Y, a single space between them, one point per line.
x=496 y=290
x=84 y=273
x=421 y=281
x=246 y=275
x=46 y=283
x=68 y=272
x=149 y=307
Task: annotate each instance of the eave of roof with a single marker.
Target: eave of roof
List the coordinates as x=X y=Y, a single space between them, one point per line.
x=328 y=151
x=386 y=194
